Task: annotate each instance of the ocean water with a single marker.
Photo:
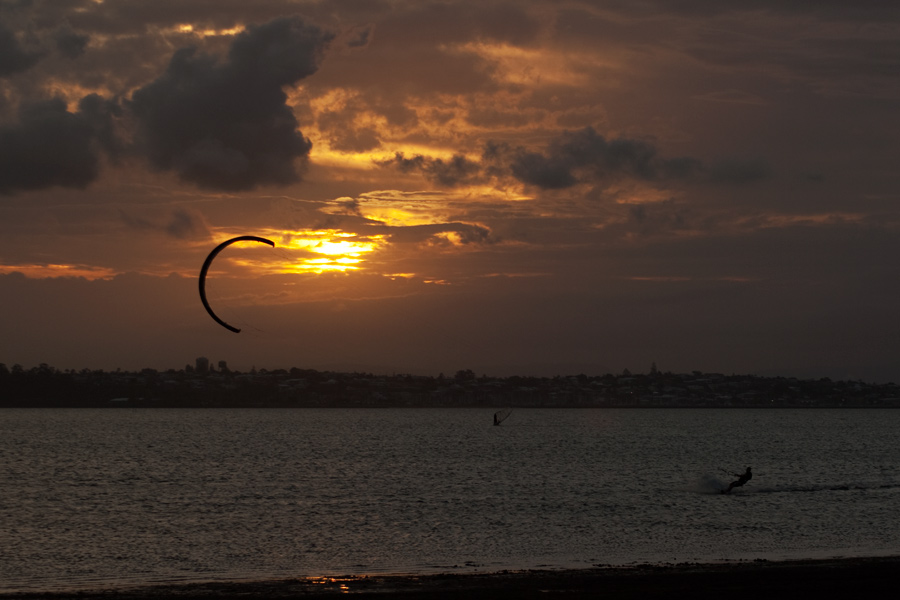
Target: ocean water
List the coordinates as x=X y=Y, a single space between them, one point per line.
x=123 y=497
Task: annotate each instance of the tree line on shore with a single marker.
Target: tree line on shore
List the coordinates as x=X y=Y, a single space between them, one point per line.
x=205 y=386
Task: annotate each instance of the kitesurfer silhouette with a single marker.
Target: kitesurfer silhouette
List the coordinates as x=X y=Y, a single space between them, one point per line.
x=741 y=480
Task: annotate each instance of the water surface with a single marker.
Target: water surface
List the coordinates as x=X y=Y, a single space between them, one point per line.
x=94 y=497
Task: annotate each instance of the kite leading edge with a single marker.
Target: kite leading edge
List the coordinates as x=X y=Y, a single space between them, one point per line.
x=208 y=262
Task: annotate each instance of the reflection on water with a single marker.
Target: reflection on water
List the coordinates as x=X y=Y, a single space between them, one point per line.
x=92 y=497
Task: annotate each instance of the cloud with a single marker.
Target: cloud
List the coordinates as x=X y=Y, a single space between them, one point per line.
x=462 y=233
x=338 y=125
x=572 y=158
x=226 y=124
x=50 y=146
x=360 y=38
x=448 y=173
x=16 y=57
x=181 y=224
x=13 y=58
x=69 y=43
x=585 y=155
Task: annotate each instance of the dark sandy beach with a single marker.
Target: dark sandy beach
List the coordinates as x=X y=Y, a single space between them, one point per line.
x=757 y=580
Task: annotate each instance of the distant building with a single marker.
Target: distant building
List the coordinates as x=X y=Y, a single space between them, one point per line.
x=202 y=365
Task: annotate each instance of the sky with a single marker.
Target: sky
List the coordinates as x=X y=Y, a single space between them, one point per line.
x=516 y=188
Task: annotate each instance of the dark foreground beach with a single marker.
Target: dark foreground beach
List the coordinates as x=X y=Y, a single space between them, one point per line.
x=756 y=580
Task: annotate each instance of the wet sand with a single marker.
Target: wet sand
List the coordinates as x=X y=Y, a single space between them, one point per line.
x=832 y=578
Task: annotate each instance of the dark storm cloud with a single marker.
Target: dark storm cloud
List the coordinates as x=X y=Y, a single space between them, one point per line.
x=226 y=124
x=455 y=171
x=576 y=157
x=13 y=58
x=586 y=155
x=69 y=43
x=50 y=146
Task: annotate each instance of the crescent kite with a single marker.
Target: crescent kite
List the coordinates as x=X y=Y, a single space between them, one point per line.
x=208 y=262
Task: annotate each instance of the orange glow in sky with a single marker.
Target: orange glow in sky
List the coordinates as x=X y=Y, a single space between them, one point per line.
x=35 y=271
x=189 y=28
x=537 y=66
x=323 y=251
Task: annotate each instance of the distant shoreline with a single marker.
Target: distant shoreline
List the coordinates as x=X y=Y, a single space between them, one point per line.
x=203 y=387
x=743 y=580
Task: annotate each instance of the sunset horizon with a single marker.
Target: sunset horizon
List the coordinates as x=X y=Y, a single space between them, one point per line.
x=524 y=188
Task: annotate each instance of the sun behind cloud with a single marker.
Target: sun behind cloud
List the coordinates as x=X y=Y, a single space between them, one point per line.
x=320 y=251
